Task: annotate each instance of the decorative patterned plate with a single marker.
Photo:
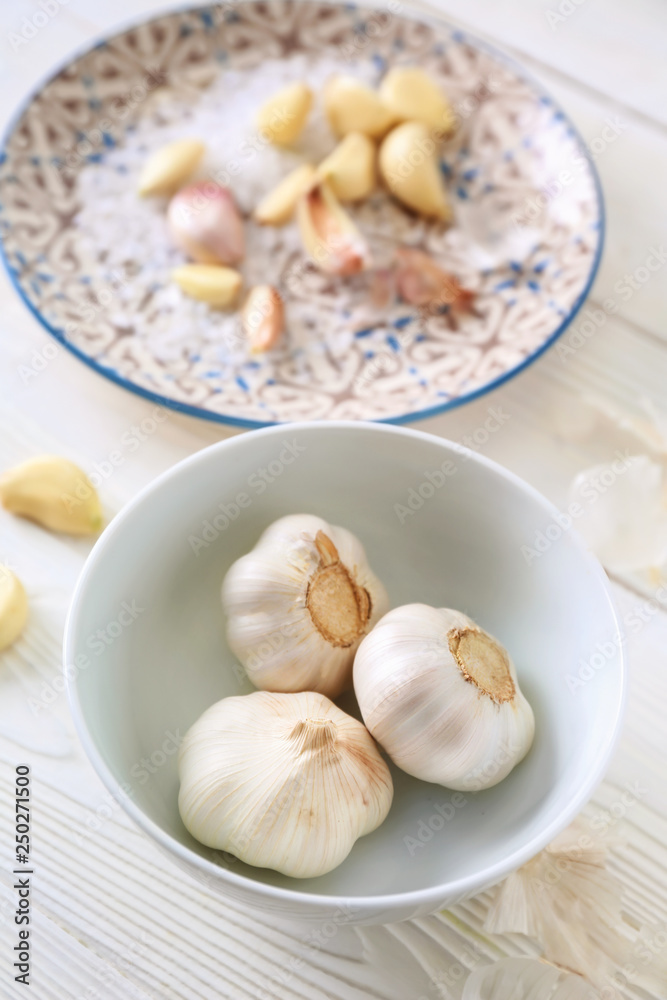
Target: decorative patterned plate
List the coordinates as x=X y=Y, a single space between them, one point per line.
x=92 y=260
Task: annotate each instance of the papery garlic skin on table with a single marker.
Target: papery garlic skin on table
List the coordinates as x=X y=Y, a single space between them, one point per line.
x=441 y=697
x=299 y=604
x=282 y=781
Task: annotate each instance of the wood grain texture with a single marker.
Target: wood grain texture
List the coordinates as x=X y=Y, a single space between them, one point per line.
x=114 y=918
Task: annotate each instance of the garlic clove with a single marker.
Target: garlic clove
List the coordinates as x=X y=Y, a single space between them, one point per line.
x=278 y=206
x=204 y=221
x=263 y=318
x=410 y=94
x=170 y=166
x=352 y=106
x=218 y=286
x=410 y=167
x=329 y=236
x=284 y=115
x=13 y=607
x=282 y=781
x=442 y=697
x=55 y=493
x=350 y=169
x=299 y=604
x=421 y=282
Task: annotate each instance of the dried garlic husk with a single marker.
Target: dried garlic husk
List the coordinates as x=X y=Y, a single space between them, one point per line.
x=623 y=512
x=525 y=979
x=410 y=94
x=298 y=605
x=170 y=166
x=282 y=781
x=421 y=282
x=350 y=169
x=567 y=901
x=284 y=115
x=55 y=493
x=410 y=167
x=13 y=607
x=329 y=236
x=441 y=696
x=263 y=318
x=204 y=221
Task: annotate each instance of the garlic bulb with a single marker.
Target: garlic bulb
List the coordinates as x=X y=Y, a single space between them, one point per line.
x=299 y=604
x=205 y=222
x=282 y=781
x=410 y=94
x=441 y=696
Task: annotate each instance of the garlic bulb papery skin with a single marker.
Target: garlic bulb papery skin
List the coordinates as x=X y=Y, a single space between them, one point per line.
x=525 y=979
x=282 y=781
x=441 y=697
x=299 y=604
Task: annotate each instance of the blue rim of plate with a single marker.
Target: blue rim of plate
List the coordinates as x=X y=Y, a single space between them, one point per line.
x=218 y=418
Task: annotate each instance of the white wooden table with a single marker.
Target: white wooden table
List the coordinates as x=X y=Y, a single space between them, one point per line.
x=112 y=917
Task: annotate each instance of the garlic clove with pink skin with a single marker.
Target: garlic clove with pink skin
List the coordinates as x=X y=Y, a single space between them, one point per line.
x=329 y=235
x=205 y=222
x=263 y=318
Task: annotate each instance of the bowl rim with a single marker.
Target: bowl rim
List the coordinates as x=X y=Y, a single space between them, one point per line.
x=432 y=896
x=243 y=422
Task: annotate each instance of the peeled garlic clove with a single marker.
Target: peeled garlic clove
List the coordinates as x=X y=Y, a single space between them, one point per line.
x=218 y=286
x=205 y=222
x=350 y=169
x=442 y=697
x=55 y=493
x=283 y=116
x=170 y=166
x=410 y=94
x=410 y=167
x=282 y=781
x=329 y=236
x=13 y=607
x=263 y=318
x=299 y=604
x=422 y=283
x=351 y=106
x=278 y=206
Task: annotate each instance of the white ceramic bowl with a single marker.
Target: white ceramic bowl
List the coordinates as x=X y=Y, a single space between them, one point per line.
x=152 y=584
